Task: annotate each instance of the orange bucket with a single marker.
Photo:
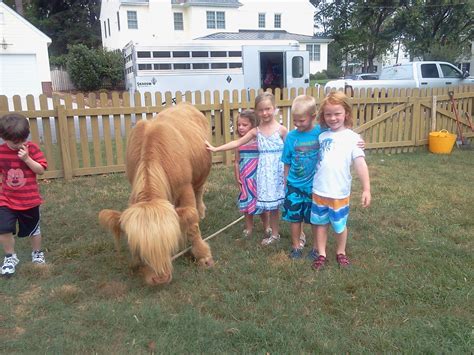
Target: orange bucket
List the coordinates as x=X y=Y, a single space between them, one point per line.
x=441 y=142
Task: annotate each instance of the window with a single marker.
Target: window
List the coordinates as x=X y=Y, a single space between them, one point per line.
x=277 y=21
x=182 y=66
x=218 y=54
x=132 y=20
x=215 y=19
x=235 y=54
x=144 y=66
x=162 y=54
x=178 y=21
x=108 y=25
x=105 y=29
x=219 y=65
x=181 y=54
x=141 y=54
x=162 y=66
x=429 y=71
x=314 y=52
x=200 y=65
x=235 y=65
x=297 y=67
x=450 y=72
x=261 y=20
x=118 y=21
x=200 y=54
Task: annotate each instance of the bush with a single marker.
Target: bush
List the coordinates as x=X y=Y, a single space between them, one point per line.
x=89 y=69
x=320 y=75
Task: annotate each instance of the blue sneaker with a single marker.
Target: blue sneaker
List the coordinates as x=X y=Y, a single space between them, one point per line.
x=312 y=255
x=296 y=254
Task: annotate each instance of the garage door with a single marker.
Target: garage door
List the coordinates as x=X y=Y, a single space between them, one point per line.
x=19 y=75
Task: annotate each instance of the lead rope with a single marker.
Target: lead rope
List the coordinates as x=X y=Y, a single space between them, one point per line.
x=210 y=237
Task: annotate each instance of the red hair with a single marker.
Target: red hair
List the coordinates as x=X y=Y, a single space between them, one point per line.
x=336 y=98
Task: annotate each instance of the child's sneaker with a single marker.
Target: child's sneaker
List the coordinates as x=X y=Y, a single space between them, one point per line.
x=312 y=255
x=268 y=233
x=296 y=254
x=343 y=260
x=270 y=240
x=319 y=263
x=37 y=257
x=246 y=233
x=9 y=263
x=302 y=240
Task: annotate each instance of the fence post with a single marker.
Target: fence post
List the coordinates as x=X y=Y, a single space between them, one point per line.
x=64 y=142
x=415 y=96
x=226 y=119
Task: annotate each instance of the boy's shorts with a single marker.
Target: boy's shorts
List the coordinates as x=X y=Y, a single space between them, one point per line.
x=297 y=205
x=326 y=210
x=28 y=221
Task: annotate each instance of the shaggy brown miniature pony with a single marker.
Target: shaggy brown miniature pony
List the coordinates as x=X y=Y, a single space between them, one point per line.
x=167 y=166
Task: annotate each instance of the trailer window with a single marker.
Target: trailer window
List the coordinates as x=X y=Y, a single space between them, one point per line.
x=219 y=66
x=162 y=66
x=181 y=54
x=143 y=54
x=235 y=54
x=297 y=67
x=200 y=54
x=144 y=66
x=200 y=65
x=235 y=65
x=219 y=54
x=182 y=66
x=161 y=54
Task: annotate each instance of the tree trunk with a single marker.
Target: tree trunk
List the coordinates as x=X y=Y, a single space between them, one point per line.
x=19 y=7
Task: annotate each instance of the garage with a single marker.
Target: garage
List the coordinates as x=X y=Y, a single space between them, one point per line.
x=19 y=73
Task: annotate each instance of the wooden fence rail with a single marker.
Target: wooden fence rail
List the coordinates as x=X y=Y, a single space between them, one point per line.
x=85 y=135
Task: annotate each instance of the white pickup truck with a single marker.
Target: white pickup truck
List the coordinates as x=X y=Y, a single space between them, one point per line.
x=409 y=75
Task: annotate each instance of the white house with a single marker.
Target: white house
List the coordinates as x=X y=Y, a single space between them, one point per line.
x=24 y=60
x=155 y=22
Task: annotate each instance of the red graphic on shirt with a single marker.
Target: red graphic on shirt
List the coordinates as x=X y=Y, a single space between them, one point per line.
x=15 y=178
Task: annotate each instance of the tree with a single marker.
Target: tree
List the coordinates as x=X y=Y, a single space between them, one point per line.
x=437 y=30
x=65 y=22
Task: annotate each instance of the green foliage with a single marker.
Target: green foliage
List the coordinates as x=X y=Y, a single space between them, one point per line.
x=320 y=75
x=407 y=292
x=59 y=61
x=90 y=69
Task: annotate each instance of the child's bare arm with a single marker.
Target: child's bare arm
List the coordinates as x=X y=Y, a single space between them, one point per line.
x=236 y=167
x=285 y=172
x=234 y=144
x=362 y=170
x=36 y=167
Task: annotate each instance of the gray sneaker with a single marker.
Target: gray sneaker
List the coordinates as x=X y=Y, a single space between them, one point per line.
x=9 y=263
x=37 y=257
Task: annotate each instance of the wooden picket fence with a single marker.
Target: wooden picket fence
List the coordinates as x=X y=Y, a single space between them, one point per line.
x=86 y=135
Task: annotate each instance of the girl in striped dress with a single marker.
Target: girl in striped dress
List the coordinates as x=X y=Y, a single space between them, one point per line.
x=245 y=170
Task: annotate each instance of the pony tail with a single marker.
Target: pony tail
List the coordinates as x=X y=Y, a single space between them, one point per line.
x=153 y=232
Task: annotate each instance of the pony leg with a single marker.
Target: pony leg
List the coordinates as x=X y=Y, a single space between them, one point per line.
x=110 y=219
x=189 y=221
x=201 y=207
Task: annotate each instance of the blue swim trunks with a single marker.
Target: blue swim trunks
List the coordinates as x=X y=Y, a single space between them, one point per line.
x=297 y=205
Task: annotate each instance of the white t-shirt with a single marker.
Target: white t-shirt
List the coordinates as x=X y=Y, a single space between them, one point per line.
x=333 y=172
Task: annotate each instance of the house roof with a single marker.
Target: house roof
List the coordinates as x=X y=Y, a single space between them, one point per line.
x=214 y=3
x=265 y=35
x=23 y=20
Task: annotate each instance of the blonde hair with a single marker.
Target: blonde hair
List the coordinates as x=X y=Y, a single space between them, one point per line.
x=251 y=116
x=304 y=105
x=336 y=98
x=265 y=96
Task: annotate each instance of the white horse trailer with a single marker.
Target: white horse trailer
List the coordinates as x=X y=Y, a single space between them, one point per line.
x=213 y=66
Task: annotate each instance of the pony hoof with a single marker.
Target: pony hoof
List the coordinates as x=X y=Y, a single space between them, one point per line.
x=206 y=262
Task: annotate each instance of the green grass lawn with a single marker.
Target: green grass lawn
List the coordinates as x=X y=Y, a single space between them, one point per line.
x=409 y=290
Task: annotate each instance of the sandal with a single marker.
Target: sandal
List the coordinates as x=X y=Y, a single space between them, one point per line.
x=343 y=260
x=319 y=263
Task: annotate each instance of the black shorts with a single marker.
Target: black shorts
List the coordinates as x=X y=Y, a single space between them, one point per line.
x=28 y=221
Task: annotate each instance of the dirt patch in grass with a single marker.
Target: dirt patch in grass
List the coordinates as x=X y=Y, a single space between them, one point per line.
x=112 y=289
x=66 y=293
